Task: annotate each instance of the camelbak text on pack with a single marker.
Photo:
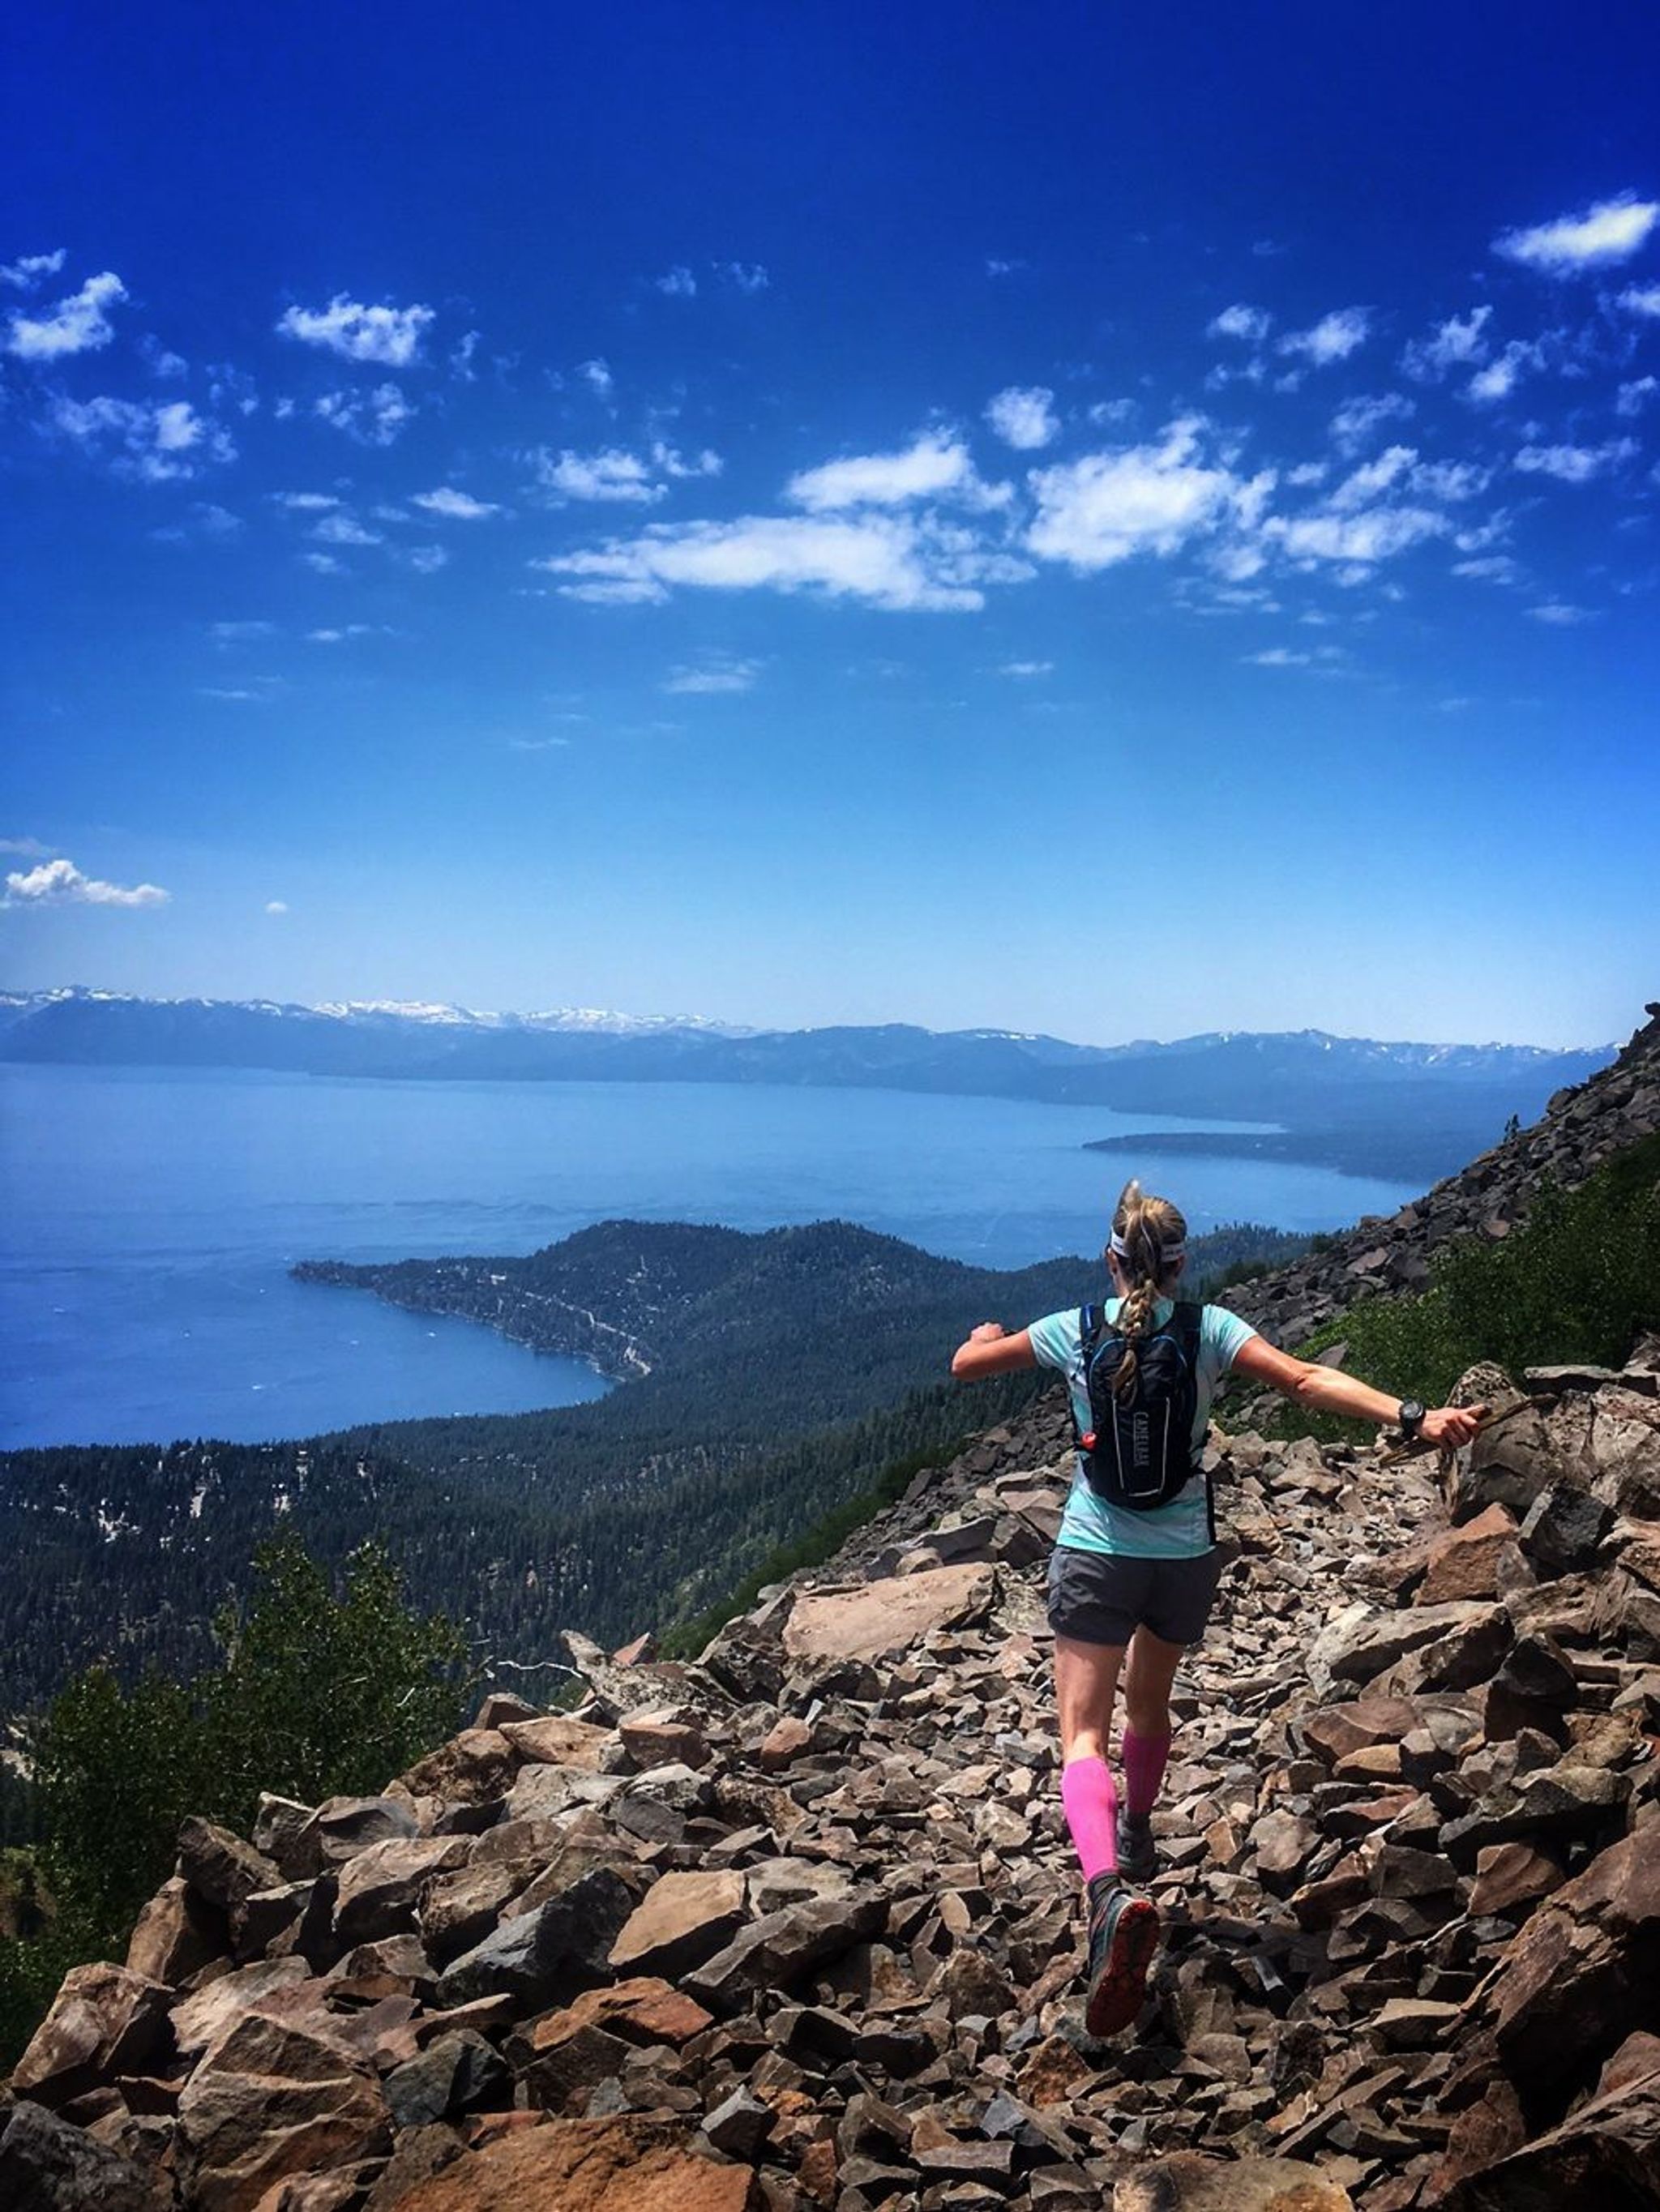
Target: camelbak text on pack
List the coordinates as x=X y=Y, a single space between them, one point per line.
x=1138 y=1451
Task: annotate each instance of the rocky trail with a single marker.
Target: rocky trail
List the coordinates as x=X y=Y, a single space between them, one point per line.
x=798 y=1925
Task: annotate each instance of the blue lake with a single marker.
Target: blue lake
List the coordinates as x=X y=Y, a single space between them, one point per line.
x=150 y=1218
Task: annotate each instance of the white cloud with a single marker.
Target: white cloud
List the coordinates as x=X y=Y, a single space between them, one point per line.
x=154 y=443
x=1278 y=656
x=28 y=273
x=937 y=466
x=679 y=284
x=1611 y=231
x=1365 y=484
x=1359 y=539
x=163 y=363
x=1334 y=337
x=745 y=276
x=28 y=848
x=425 y=560
x=716 y=672
x=1489 y=568
x=454 y=506
x=1358 y=421
x=325 y=563
x=1560 y=615
x=390 y=337
x=1026 y=668
x=673 y=464
x=1632 y=398
x=597 y=375
x=241 y=632
x=1452 y=344
x=338 y=636
x=612 y=474
x=76 y=324
x=205 y=521
x=306 y=502
x=277 y=906
x=1643 y=299
x=1500 y=376
x=1024 y=416
x=345 y=530
x=996 y=267
x=1139 y=499
x=890 y=560
x=373 y=419
x=1575 y=464
x=1239 y=321
x=60 y=883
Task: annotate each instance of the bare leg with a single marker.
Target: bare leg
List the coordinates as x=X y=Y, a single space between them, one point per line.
x=1147 y=1679
x=1085 y=1685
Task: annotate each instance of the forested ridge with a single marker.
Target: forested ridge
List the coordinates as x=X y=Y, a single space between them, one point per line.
x=786 y=1372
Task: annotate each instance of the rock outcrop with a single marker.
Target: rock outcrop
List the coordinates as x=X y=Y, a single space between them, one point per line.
x=798 y=1926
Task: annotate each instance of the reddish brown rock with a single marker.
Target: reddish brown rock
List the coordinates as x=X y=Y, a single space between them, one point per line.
x=1187 y=2183
x=641 y=2010
x=380 y=1886
x=1605 y=2154
x=1473 y=1560
x=783 y=1743
x=219 y=1867
x=683 y=1919
x=268 y=2101
x=652 y=1743
x=104 y=2021
x=886 y=1615
x=472 y=1769
x=1511 y=1874
x=558 y=1741
x=176 y=1935
x=632 y=2164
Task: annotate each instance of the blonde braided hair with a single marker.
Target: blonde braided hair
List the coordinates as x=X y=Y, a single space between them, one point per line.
x=1147 y=1228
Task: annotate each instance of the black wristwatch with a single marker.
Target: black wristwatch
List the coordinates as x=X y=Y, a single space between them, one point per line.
x=1410 y=1418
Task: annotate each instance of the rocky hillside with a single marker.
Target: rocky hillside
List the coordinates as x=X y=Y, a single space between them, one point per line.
x=1580 y=1129
x=798 y=1925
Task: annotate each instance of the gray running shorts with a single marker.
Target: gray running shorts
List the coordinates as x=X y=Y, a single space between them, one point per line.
x=1100 y=1597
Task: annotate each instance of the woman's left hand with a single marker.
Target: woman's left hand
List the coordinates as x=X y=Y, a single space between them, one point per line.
x=988 y=1332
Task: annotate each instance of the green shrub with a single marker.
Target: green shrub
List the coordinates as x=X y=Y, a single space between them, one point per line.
x=1579 y=1279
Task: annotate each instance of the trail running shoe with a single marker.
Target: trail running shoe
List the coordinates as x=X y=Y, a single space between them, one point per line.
x=1123 y=1936
x=1138 y=1855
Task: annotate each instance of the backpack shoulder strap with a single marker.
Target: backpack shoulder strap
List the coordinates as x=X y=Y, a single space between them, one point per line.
x=1189 y=1322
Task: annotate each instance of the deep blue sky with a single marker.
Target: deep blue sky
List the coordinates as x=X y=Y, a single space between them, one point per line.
x=432 y=573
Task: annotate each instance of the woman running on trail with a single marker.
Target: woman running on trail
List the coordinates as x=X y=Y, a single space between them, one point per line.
x=1138 y=1578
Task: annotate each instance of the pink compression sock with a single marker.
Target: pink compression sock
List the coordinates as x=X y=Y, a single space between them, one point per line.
x=1145 y=1757
x=1091 y=1804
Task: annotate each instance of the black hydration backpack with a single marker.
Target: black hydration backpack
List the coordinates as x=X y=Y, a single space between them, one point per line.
x=1138 y=1451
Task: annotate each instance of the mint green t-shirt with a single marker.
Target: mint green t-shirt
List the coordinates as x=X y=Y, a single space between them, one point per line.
x=1180 y=1530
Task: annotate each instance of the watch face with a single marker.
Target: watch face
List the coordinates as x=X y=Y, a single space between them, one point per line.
x=1411 y=1413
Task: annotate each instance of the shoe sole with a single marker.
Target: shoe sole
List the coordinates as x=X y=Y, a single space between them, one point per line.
x=1122 y=1991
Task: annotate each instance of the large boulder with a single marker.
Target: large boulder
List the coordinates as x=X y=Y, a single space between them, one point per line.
x=885 y=1616
x=48 y=2166
x=103 y=2021
x=381 y=1886
x=1187 y=2183
x=633 y=2164
x=270 y=2099
x=546 y=1956
x=1582 y=1976
x=1606 y=2153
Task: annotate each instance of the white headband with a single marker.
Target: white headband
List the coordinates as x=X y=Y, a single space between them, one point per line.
x=1168 y=1254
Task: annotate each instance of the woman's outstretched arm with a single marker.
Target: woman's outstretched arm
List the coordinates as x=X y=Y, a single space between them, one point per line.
x=989 y=1349
x=1331 y=1391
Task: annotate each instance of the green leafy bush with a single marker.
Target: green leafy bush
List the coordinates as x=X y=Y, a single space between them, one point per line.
x=1579 y=1279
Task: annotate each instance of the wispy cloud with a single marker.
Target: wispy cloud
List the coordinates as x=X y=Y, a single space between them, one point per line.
x=338 y=528
x=1558 y=615
x=277 y=906
x=376 y=418
x=241 y=632
x=454 y=506
x=1359 y=421
x=611 y=475
x=671 y=463
x=1501 y=376
x=1452 y=344
x=390 y=337
x=1632 y=398
x=148 y=443
x=1641 y=299
x=714 y=672
x=749 y=276
x=306 y=502
x=596 y=374
x=677 y=283
x=27 y=848
x=1024 y=416
x=1575 y=464
x=1251 y=324
x=1334 y=337
x=28 y=273
x=1610 y=232
x=899 y=562
x=79 y=324
x=425 y=560
x=1324 y=657
x=60 y=883
x=937 y=465
x=1025 y=669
